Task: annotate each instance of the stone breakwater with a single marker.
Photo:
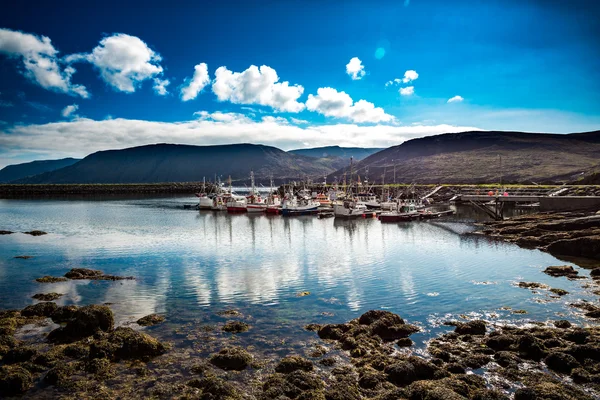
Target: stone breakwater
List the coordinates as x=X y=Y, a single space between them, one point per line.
x=569 y=234
x=25 y=191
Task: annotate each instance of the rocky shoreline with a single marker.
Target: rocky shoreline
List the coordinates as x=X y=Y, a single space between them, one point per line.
x=562 y=234
x=370 y=357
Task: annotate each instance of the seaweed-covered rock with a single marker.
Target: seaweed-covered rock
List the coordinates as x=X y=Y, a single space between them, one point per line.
x=561 y=362
x=2 y=232
x=562 y=324
x=577 y=335
x=19 y=354
x=561 y=270
x=152 y=319
x=531 y=347
x=46 y=296
x=215 y=388
x=14 y=380
x=559 y=292
x=60 y=375
x=235 y=327
x=39 y=310
x=125 y=344
x=35 y=233
x=86 y=321
x=404 y=342
x=64 y=314
x=476 y=327
x=375 y=315
x=432 y=390
x=293 y=363
x=405 y=372
x=51 y=279
x=595 y=273
x=231 y=358
x=500 y=342
x=83 y=273
x=333 y=331
x=387 y=329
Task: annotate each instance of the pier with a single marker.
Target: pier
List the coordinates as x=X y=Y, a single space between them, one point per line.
x=494 y=201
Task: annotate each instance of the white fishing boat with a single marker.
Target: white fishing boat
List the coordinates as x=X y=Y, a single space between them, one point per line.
x=204 y=199
x=369 y=200
x=349 y=209
x=255 y=203
x=299 y=205
x=237 y=204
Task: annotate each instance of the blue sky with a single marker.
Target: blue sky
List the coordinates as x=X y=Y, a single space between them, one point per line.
x=508 y=65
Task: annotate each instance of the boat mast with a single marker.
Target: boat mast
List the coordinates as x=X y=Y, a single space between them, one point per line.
x=252 y=183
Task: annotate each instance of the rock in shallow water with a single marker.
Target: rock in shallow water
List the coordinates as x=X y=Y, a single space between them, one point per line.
x=231 y=358
x=561 y=270
x=152 y=319
x=293 y=363
x=126 y=344
x=46 y=296
x=14 y=380
x=85 y=322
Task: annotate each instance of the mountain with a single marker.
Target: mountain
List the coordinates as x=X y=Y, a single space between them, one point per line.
x=484 y=157
x=358 y=153
x=183 y=163
x=19 y=171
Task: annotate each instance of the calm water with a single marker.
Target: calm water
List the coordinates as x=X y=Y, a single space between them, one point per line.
x=189 y=265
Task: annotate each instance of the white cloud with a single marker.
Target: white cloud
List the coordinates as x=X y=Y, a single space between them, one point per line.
x=69 y=110
x=160 y=86
x=410 y=75
x=124 y=61
x=332 y=103
x=455 y=99
x=355 y=68
x=299 y=121
x=407 y=91
x=192 y=87
x=395 y=81
x=219 y=116
x=257 y=86
x=275 y=120
x=83 y=136
x=40 y=61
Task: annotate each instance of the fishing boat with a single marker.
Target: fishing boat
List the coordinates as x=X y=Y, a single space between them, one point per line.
x=273 y=200
x=204 y=199
x=302 y=205
x=369 y=200
x=323 y=200
x=219 y=202
x=407 y=212
x=349 y=209
x=255 y=203
x=236 y=204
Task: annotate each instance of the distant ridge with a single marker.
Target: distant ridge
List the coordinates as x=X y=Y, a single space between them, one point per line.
x=19 y=171
x=358 y=153
x=185 y=163
x=484 y=157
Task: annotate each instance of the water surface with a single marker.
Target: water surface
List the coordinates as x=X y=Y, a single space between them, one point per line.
x=189 y=265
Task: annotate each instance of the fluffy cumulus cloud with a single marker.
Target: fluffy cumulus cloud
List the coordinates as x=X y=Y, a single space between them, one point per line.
x=455 y=99
x=407 y=91
x=69 y=110
x=190 y=90
x=410 y=75
x=355 y=69
x=160 y=86
x=40 y=61
x=82 y=136
x=395 y=81
x=332 y=103
x=124 y=62
x=257 y=86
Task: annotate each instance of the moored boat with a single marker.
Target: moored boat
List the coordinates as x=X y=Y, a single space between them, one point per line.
x=349 y=209
x=236 y=204
x=405 y=213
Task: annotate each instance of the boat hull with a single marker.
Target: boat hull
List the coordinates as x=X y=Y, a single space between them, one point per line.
x=256 y=208
x=237 y=209
x=273 y=210
x=299 y=211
